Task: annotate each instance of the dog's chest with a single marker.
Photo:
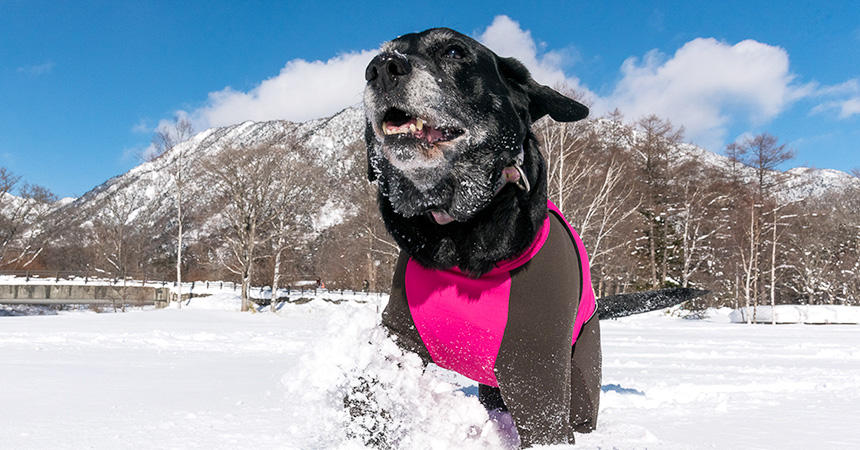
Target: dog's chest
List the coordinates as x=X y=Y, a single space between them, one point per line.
x=461 y=320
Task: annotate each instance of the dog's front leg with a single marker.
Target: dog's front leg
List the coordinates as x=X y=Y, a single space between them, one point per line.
x=367 y=398
x=534 y=381
x=533 y=365
x=397 y=318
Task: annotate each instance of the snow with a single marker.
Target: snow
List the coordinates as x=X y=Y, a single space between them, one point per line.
x=207 y=376
x=808 y=314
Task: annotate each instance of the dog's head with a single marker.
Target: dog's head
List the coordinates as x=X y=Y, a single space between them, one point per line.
x=445 y=117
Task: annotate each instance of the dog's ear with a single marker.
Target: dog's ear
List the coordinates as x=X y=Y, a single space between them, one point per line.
x=542 y=100
x=370 y=143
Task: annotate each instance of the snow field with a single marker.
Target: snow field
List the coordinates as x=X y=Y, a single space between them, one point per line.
x=809 y=314
x=208 y=378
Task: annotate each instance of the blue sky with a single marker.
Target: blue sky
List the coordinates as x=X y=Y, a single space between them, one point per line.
x=84 y=84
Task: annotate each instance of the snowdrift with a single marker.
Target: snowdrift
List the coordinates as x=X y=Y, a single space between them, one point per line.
x=808 y=314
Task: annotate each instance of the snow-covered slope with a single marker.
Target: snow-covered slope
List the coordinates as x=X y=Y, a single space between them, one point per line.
x=150 y=184
x=799 y=182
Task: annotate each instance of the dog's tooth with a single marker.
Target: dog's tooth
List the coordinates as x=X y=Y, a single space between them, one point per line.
x=412 y=127
x=419 y=124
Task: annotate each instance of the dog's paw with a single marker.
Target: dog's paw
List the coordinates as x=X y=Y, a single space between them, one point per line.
x=369 y=422
x=500 y=425
x=376 y=392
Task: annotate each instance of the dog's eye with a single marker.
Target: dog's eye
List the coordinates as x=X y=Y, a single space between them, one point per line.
x=454 y=52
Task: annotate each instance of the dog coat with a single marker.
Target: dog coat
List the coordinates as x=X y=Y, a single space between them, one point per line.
x=461 y=320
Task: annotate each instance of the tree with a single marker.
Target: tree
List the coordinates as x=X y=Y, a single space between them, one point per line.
x=763 y=154
x=295 y=201
x=698 y=218
x=654 y=143
x=824 y=248
x=117 y=230
x=588 y=179
x=114 y=226
x=379 y=249
x=564 y=146
x=244 y=182
x=24 y=228
x=167 y=143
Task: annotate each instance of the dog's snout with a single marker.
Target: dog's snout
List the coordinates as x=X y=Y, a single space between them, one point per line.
x=388 y=68
x=371 y=73
x=398 y=66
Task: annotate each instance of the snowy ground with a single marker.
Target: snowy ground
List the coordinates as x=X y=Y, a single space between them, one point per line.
x=203 y=377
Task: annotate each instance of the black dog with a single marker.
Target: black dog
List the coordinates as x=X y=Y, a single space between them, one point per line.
x=491 y=282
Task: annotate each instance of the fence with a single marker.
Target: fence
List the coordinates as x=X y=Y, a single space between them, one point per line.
x=152 y=279
x=189 y=290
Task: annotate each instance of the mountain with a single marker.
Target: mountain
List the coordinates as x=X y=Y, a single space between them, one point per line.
x=799 y=182
x=151 y=183
x=145 y=194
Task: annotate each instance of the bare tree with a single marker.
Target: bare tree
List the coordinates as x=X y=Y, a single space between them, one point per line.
x=379 y=248
x=244 y=182
x=167 y=142
x=763 y=153
x=295 y=201
x=24 y=231
x=564 y=146
x=117 y=227
x=699 y=222
x=588 y=179
x=824 y=248
x=653 y=145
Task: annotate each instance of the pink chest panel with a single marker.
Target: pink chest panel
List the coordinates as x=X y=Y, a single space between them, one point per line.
x=461 y=320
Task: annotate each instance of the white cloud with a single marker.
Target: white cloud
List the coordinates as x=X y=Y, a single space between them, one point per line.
x=506 y=38
x=302 y=90
x=38 y=69
x=848 y=106
x=310 y=89
x=851 y=86
x=138 y=154
x=706 y=85
x=142 y=127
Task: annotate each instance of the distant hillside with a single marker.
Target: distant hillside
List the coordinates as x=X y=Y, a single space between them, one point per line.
x=347 y=242
x=328 y=138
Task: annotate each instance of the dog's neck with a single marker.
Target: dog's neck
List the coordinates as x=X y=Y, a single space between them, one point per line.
x=501 y=231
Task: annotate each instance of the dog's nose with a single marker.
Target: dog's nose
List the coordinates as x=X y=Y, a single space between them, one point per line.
x=388 y=68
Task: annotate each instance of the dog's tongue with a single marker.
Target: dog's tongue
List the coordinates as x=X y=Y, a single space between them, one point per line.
x=432 y=135
x=441 y=217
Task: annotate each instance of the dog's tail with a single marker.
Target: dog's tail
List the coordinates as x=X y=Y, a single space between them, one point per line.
x=621 y=305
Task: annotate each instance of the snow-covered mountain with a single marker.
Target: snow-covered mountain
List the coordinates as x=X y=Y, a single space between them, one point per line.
x=799 y=182
x=150 y=184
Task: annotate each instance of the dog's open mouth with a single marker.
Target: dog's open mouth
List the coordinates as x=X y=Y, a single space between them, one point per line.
x=398 y=122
